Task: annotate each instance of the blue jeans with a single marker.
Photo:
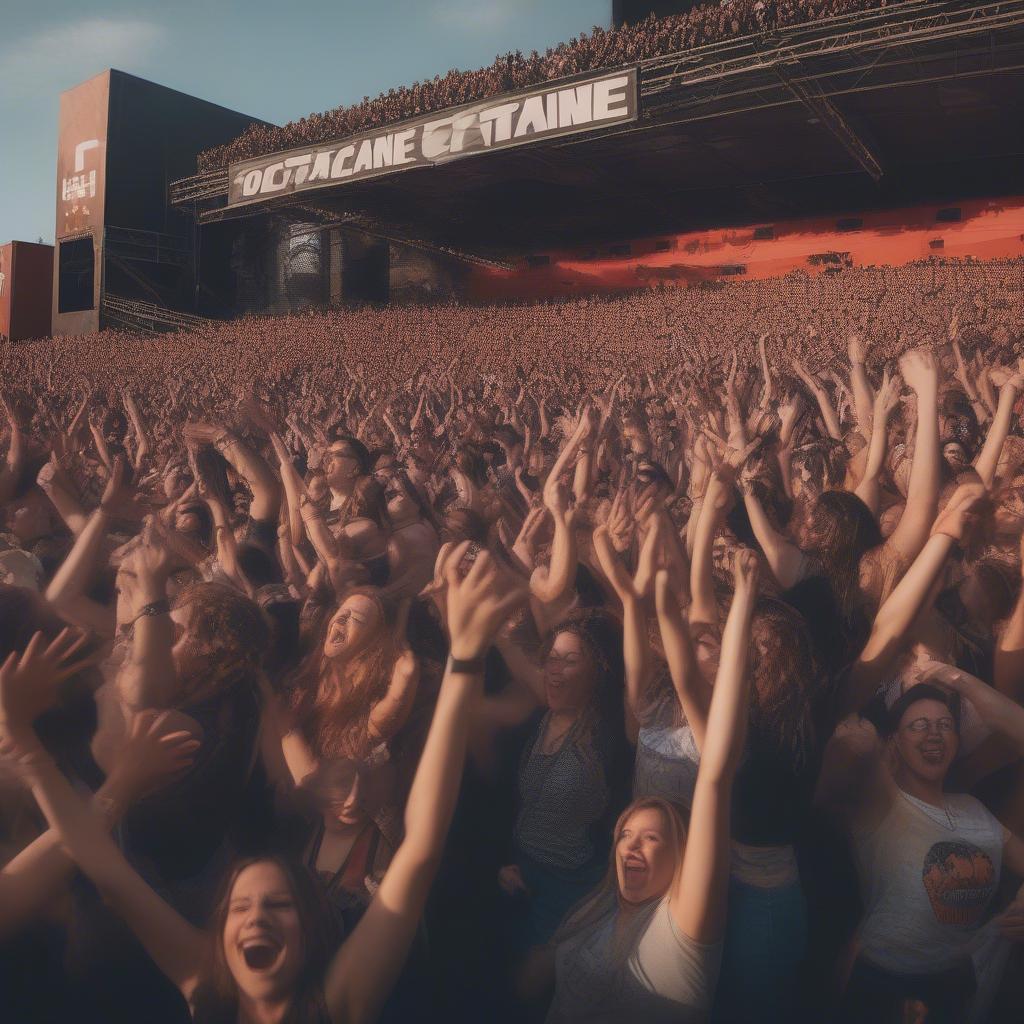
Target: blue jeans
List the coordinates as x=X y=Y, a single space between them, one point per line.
x=553 y=893
x=765 y=940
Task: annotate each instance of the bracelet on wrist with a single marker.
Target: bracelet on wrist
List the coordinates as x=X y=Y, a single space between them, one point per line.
x=465 y=666
x=159 y=607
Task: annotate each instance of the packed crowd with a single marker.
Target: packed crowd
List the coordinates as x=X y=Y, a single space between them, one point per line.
x=602 y=48
x=658 y=658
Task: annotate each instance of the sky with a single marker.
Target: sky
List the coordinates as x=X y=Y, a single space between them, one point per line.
x=277 y=61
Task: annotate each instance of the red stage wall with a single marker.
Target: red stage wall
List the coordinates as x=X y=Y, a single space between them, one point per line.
x=983 y=229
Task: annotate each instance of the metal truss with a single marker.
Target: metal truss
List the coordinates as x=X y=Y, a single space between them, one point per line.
x=848 y=53
x=145 y=316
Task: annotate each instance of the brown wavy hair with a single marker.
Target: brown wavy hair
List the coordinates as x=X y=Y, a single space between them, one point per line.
x=228 y=639
x=333 y=702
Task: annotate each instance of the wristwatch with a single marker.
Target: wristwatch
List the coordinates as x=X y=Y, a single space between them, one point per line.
x=465 y=666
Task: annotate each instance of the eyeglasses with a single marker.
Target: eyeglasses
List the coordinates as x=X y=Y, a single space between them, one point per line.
x=344 y=453
x=925 y=725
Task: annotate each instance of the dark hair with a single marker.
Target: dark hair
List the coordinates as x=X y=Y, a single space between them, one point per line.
x=918 y=692
x=231 y=635
x=260 y=567
x=461 y=524
x=785 y=681
x=216 y=997
x=507 y=434
x=359 y=450
x=367 y=502
x=845 y=530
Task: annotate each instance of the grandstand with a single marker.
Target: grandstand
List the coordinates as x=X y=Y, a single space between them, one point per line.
x=875 y=109
x=660 y=151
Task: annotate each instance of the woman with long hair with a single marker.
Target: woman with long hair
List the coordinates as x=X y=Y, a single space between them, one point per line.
x=264 y=958
x=647 y=944
x=566 y=772
x=356 y=688
x=840 y=538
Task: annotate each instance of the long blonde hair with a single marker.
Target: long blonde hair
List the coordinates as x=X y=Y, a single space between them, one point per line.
x=598 y=906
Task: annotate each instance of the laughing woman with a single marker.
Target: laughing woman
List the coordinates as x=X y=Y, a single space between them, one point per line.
x=647 y=944
x=265 y=961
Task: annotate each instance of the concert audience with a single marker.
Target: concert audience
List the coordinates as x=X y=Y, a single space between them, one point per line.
x=672 y=644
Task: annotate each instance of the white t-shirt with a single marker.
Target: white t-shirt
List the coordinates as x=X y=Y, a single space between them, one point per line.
x=669 y=977
x=928 y=878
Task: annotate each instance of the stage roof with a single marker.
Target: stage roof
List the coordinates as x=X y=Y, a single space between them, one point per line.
x=917 y=102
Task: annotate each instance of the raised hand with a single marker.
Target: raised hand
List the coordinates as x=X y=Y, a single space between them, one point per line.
x=887 y=397
x=153 y=754
x=29 y=682
x=479 y=603
x=202 y=433
x=116 y=493
x=858 y=736
x=857 y=349
x=919 y=369
x=746 y=568
x=961 y=512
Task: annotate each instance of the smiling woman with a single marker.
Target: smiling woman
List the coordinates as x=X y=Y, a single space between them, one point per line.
x=268 y=960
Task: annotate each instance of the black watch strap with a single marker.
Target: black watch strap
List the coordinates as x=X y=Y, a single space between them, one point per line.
x=466 y=666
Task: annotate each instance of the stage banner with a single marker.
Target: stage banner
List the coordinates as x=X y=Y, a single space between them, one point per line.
x=500 y=122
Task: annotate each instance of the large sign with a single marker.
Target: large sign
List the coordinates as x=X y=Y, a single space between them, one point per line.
x=81 y=156
x=500 y=122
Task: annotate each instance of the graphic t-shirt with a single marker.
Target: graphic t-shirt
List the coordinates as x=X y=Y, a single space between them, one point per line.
x=928 y=875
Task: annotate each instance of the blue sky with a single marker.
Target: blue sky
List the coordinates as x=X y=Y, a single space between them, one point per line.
x=277 y=61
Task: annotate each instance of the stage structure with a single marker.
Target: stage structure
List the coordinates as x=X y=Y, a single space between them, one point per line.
x=908 y=105
x=120 y=246
x=26 y=285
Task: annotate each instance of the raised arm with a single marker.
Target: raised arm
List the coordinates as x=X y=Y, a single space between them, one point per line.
x=142 y=442
x=987 y=461
x=921 y=372
x=869 y=489
x=692 y=690
x=150 y=755
x=703 y=606
x=1009 y=658
x=148 y=678
x=863 y=396
x=12 y=465
x=698 y=895
x=28 y=684
x=551 y=583
x=821 y=396
x=890 y=631
x=392 y=711
x=636 y=649
x=784 y=558
x=366 y=967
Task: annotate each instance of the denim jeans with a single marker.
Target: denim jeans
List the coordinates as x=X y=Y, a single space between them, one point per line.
x=765 y=940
